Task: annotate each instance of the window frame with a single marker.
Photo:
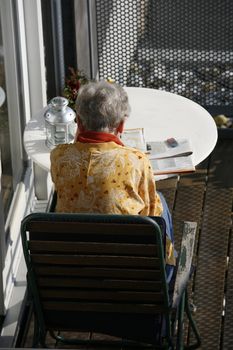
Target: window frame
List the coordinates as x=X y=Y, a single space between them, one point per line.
x=12 y=88
x=23 y=46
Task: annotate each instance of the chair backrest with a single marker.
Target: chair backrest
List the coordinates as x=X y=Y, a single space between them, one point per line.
x=94 y=264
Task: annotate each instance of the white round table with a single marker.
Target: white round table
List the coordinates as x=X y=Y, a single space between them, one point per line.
x=161 y=114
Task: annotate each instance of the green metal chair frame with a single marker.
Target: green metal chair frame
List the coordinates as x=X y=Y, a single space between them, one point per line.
x=101 y=273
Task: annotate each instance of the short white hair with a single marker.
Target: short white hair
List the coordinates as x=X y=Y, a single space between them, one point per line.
x=102 y=105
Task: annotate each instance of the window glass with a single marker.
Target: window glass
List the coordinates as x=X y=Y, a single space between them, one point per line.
x=6 y=176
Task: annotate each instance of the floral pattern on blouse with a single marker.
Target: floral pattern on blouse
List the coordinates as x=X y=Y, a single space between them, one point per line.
x=103 y=178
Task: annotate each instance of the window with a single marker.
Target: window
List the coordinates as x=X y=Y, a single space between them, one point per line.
x=12 y=120
x=6 y=178
x=22 y=78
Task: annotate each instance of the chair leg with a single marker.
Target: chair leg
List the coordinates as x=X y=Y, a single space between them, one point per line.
x=38 y=337
x=192 y=324
x=35 y=341
x=180 y=331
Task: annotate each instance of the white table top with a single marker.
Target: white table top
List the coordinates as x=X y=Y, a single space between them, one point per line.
x=164 y=115
x=161 y=114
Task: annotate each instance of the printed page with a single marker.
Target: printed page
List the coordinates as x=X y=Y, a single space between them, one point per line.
x=162 y=149
x=134 y=138
x=173 y=165
x=164 y=158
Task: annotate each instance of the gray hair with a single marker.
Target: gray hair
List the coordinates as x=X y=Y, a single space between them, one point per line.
x=101 y=106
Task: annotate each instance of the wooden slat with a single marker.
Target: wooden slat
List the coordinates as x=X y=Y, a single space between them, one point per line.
x=104 y=229
x=100 y=283
x=168 y=187
x=104 y=307
x=209 y=282
x=93 y=248
x=102 y=296
x=228 y=319
x=189 y=201
x=142 y=274
x=213 y=246
x=189 y=206
x=96 y=260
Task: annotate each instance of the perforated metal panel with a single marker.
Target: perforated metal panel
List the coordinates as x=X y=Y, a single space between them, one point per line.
x=182 y=46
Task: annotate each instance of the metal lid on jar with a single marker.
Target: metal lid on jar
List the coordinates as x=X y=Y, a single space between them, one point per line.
x=58 y=111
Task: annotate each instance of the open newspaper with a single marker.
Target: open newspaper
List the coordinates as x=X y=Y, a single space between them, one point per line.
x=167 y=157
x=134 y=138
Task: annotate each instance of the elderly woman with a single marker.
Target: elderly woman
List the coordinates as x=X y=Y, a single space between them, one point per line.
x=97 y=173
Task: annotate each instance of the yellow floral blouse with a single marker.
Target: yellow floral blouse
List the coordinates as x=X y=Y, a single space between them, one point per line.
x=103 y=178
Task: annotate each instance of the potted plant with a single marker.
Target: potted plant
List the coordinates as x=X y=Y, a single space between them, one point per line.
x=74 y=80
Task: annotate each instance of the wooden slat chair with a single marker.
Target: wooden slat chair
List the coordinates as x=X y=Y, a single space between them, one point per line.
x=100 y=273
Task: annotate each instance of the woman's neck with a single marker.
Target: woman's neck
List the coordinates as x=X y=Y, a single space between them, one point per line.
x=98 y=137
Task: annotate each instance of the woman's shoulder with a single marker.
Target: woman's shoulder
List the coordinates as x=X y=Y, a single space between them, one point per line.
x=135 y=151
x=60 y=149
x=138 y=156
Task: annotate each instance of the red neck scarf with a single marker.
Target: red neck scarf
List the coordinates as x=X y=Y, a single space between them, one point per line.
x=98 y=137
